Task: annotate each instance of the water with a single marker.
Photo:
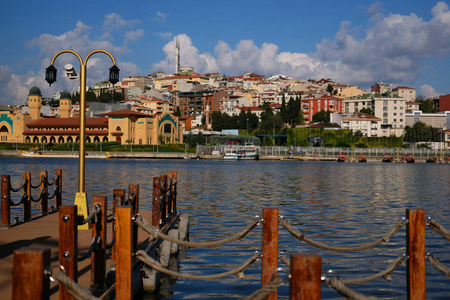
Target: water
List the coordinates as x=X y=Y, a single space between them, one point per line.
x=338 y=204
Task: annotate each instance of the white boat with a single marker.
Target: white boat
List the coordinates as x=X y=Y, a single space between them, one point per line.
x=36 y=153
x=231 y=152
x=235 y=152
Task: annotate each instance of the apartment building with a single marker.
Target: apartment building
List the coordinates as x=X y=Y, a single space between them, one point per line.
x=405 y=92
x=310 y=106
x=392 y=112
x=195 y=103
x=368 y=125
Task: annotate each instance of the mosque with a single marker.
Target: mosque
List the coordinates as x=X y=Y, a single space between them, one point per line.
x=123 y=126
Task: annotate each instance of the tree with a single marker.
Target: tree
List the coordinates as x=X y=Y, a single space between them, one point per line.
x=419 y=132
x=177 y=112
x=321 y=116
x=330 y=88
x=284 y=110
x=367 y=110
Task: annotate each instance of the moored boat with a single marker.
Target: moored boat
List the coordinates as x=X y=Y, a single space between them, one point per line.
x=431 y=160
x=362 y=158
x=409 y=158
x=387 y=158
x=50 y=154
x=341 y=158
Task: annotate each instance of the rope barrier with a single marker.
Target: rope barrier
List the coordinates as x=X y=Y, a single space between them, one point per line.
x=438 y=228
x=154 y=234
x=131 y=199
x=94 y=244
x=24 y=198
x=55 y=192
x=301 y=237
x=25 y=180
x=145 y=258
x=110 y=245
x=54 y=180
x=73 y=288
x=95 y=211
x=39 y=184
x=40 y=197
x=345 y=291
x=271 y=286
x=440 y=267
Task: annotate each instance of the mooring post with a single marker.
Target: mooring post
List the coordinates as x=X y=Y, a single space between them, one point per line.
x=163 y=197
x=98 y=258
x=124 y=238
x=44 y=193
x=118 y=199
x=169 y=193
x=58 y=183
x=27 y=200
x=156 y=201
x=415 y=250
x=174 y=198
x=68 y=245
x=29 y=278
x=134 y=189
x=269 y=246
x=305 y=282
x=6 y=201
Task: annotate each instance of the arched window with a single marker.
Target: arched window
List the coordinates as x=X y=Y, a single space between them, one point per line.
x=118 y=128
x=105 y=139
x=61 y=140
x=167 y=128
x=35 y=139
x=96 y=139
x=69 y=139
x=4 y=129
x=27 y=139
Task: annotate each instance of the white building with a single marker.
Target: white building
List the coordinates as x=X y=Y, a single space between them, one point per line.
x=369 y=125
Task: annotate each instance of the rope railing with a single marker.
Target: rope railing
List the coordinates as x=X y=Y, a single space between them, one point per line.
x=345 y=291
x=271 y=286
x=151 y=262
x=55 y=192
x=43 y=180
x=439 y=266
x=433 y=224
x=54 y=180
x=96 y=210
x=301 y=237
x=40 y=196
x=154 y=234
x=73 y=288
x=24 y=182
x=24 y=198
x=94 y=246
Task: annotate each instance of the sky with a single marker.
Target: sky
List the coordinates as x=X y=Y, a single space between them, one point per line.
x=354 y=42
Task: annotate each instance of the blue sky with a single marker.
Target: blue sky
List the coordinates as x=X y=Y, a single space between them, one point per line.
x=353 y=42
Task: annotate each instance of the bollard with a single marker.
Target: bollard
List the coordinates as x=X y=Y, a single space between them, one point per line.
x=156 y=202
x=118 y=199
x=98 y=258
x=58 y=183
x=415 y=250
x=269 y=246
x=27 y=203
x=29 y=278
x=6 y=198
x=124 y=238
x=44 y=192
x=305 y=282
x=68 y=245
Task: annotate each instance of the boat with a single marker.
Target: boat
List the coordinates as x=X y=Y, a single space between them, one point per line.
x=247 y=152
x=409 y=158
x=362 y=158
x=387 y=158
x=50 y=154
x=231 y=152
x=341 y=158
x=235 y=152
x=431 y=160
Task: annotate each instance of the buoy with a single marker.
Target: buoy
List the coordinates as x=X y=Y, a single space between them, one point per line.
x=184 y=227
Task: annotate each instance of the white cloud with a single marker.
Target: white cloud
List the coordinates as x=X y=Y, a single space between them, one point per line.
x=160 y=17
x=114 y=21
x=428 y=91
x=164 y=35
x=134 y=35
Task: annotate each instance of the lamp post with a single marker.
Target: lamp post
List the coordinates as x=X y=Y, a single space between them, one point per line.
x=50 y=77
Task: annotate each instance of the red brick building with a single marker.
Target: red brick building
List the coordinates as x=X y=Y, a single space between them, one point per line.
x=310 y=106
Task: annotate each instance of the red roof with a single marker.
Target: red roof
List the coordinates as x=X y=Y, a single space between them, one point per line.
x=126 y=113
x=64 y=132
x=68 y=123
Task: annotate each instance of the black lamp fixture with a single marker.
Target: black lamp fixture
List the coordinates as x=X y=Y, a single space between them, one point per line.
x=50 y=74
x=114 y=74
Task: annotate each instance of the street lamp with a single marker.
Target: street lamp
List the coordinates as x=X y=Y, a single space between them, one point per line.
x=50 y=77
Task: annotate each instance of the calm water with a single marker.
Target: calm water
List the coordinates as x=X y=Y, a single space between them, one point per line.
x=339 y=204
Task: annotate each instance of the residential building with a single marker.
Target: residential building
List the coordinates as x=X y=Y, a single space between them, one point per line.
x=412 y=106
x=310 y=106
x=381 y=88
x=439 y=120
x=392 y=112
x=368 y=125
x=195 y=103
x=405 y=92
x=346 y=91
x=442 y=103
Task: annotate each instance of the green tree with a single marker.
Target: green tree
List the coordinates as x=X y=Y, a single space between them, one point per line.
x=330 y=88
x=177 y=112
x=419 y=132
x=321 y=116
x=284 y=113
x=426 y=106
x=368 y=111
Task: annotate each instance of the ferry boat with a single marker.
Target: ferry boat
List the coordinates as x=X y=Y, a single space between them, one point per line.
x=409 y=158
x=362 y=158
x=387 y=158
x=235 y=152
x=341 y=158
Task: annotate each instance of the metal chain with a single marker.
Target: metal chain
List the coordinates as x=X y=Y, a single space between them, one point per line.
x=73 y=288
x=440 y=267
x=145 y=258
x=271 y=286
x=438 y=228
x=301 y=237
x=25 y=180
x=342 y=289
x=154 y=234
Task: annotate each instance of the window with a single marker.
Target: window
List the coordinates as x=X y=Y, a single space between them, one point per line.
x=401 y=107
x=167 y=128
x=385 y=102
x=401 y=120
x=395 y=114
x=395 y=107
x=385 y=115
x=385 y=120
x=395 y=120
x=118 y=128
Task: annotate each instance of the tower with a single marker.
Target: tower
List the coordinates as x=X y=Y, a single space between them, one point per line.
x=65 y=105
x=177 y=57
x=35 y=103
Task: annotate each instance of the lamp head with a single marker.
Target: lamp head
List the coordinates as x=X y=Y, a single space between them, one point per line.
x=114 y=74
x=50 y=74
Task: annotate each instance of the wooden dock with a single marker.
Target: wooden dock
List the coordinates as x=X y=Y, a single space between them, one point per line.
x=44 y=232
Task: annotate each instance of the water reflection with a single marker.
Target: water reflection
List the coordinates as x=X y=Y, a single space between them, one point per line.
x=337 y=204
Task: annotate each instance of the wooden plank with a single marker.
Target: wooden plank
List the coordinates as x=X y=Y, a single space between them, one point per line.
x=58 y=183
x=415 y=250
x=27 y=201
x=156 y=201
x=44 y=191
x=306 y=270
x=118 y=199
x=6 y=198
x=68 y=245
x=269 y=246
x=98 y=258
x=124 y=267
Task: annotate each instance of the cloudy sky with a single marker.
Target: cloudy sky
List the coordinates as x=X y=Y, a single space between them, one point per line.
x=354 y=42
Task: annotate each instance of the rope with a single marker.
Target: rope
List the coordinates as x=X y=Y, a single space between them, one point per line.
x=301 y=237
x=95 y=211
x=110 y=245
x=54 y=180
x=94 y=243
x=55 y=192
x=346 y=291
x=73 y=288
x=271 y=286
x=25 y=180
x=154 y=234
x=145 y=258
x=40 y=196
x=39 y=184
x=110 y=220
x=439 y=228
x=24 y=198
x=440 y=267
x=131 y=199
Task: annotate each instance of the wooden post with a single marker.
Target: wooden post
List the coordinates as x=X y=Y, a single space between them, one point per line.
x=174 y=198
x=306 y=271
x=44 y=190
x=134 y=189
x=156 y=201
x=6 y=198
x=29 y=280
x=163 y=206
x=27 y=203
x=124 y=238
x=118 y=199
x=170 y=193
x=415 y=250
x=269 y=246
x=68 y=245
x=58 y=197
x=98 y=259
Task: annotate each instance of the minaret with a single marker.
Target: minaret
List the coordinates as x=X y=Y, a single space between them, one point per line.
x=65 y=105
x=35 y=103
x=177 y=57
